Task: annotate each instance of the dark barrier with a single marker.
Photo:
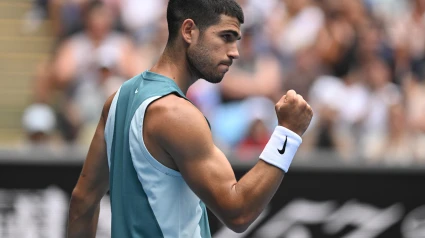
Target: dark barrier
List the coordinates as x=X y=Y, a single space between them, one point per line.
x=361 y=203
x=312 y=202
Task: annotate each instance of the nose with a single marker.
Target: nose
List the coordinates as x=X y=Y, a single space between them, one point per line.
x=233 y=52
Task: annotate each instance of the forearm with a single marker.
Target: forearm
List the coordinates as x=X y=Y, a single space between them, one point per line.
x=255 y=190
x=83 y=218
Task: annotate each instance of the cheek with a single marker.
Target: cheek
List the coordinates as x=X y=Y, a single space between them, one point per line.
x=219 y=48
x=213 y=45
x=205 y=54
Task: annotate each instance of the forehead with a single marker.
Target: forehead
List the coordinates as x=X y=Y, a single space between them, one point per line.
x=227 y=23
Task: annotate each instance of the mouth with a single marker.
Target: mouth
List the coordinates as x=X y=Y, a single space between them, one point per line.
x=224 y=67
x=228 y=64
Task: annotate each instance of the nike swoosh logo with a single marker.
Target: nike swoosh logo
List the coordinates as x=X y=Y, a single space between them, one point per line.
x=282 y=151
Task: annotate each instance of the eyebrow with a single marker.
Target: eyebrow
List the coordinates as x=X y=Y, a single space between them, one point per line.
x=234 y=33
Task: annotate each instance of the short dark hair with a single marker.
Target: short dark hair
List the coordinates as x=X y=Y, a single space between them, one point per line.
x=204 y=13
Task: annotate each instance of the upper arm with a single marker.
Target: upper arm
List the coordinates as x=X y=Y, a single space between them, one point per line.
x=182 y=131
x=93 y=182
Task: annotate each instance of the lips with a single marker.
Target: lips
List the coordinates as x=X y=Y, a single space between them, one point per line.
x=227 y=63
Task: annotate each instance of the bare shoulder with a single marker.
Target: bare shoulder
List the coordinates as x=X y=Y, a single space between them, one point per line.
x=173 y=117
x=171 y=101
x=173 y=108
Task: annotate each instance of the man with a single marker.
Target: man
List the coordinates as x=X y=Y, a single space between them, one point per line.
x=155 y=151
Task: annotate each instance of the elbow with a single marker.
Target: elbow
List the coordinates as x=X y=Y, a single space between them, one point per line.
x=80 y=205
x=236 y=213
x=238 y=224
x=77 y=197
x=239 y=228
x=76 y=200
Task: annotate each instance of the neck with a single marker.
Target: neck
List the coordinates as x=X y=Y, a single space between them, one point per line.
x=174 y=65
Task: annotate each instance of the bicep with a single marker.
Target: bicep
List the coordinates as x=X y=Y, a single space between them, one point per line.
x=187 y=138
x=211 y=177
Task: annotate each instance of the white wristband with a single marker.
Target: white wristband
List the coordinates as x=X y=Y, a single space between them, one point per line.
x=281 y=148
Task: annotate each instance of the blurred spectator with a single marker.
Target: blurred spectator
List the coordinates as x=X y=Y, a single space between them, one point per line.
x=293 y=25
x=387 y=11
x=76 y=66
x=256 y=137
x=307 y=67
x=139 y=18
x=39 y=122
x=356 y=62
x=339 y=106
x=397 y=146
x=414 y=91
x=374 y=42
x=408 y=39
x=43 y=84
x=89 y=97
x=336 y=40
x=383 y=94
x=256 y=12
x=35 y=16
x=67 y=16
x=77 y=55
x=355 y=12
x=151 y=48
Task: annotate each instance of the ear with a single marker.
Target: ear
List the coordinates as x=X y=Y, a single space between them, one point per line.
x=188 y=30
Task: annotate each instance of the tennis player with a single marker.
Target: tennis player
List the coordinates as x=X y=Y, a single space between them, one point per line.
x=153 y=149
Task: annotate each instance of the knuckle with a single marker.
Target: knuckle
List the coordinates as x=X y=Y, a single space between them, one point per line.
x=298 y=99
x=288 y=99
x=310 y=110
x=291 y=93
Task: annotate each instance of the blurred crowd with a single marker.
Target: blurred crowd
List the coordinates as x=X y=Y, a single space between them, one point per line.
x=359 y=63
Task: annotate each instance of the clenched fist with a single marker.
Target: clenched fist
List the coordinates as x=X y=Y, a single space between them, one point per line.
x=293 y=112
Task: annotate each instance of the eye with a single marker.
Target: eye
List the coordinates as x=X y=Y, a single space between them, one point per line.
x=227 y=37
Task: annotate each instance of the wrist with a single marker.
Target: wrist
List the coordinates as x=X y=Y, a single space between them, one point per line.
x=298 y=133
x=281 y=148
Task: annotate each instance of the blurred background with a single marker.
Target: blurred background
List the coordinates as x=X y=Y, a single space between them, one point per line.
x=359 y=63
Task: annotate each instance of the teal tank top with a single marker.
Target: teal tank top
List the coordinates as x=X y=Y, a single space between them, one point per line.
x=148 y=199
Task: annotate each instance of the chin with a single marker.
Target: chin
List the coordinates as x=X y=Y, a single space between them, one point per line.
x=214 y=80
